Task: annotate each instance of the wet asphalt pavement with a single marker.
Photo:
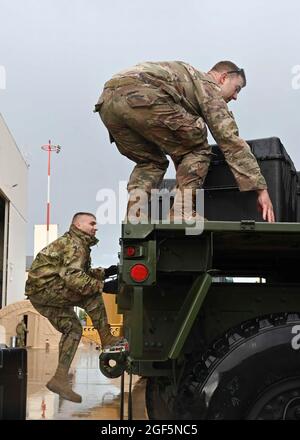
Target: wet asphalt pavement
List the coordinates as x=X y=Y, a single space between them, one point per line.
x=100 y=395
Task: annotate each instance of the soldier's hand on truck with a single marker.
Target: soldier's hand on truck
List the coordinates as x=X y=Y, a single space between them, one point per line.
x=264 y=205
x=111 y=270
x=110 y=286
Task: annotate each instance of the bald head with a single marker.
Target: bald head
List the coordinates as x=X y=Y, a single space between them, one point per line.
x=86 y=222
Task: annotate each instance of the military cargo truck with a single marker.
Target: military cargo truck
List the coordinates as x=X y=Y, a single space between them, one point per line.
x=213 y=320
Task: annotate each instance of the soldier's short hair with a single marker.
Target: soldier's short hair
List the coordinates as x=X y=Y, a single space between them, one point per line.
x=79 y=214
x=229 y=67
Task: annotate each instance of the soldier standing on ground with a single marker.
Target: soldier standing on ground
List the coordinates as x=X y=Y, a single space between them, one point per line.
x=156 y=109
x=59 y=279
x=21 y=331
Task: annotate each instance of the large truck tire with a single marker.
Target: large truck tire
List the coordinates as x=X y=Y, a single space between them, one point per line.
x=252 y=372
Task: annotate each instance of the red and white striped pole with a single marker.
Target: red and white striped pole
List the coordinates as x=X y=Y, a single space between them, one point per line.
x=48 y=192
x=50 y=148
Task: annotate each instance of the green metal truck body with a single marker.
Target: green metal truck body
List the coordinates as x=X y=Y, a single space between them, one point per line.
x=184 y=320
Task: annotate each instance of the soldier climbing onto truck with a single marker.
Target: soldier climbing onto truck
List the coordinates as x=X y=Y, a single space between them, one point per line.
x=156 y=109
x=59 y=279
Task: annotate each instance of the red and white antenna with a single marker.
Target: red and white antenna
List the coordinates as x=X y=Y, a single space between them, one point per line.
x=50 y=148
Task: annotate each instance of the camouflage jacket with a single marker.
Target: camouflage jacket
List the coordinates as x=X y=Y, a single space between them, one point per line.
x=66 y=263
x=200 y=95
x=21 y=328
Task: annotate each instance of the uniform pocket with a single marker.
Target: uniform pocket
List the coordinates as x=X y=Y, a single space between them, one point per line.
x=189 y=124
x=137 y=99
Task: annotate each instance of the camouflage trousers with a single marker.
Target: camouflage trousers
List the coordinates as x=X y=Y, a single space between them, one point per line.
x=64 y=319
x=21 y=340
x=147 y=124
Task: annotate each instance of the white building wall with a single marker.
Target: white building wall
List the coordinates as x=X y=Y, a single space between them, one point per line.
x=13 y=186
x=40 y=236
x=16 y=257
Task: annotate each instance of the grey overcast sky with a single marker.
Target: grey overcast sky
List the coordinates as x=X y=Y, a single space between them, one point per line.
x=57 y=54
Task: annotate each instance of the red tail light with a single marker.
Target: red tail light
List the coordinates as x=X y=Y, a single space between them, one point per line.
x=139 y=273
x=130 y=251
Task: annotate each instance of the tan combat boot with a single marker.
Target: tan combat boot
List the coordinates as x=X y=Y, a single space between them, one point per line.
x=137 y=207
x=180 y=213
x=108 y=340
x=59 y=385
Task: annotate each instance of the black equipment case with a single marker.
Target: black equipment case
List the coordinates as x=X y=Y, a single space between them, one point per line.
x=13 y=383
x=223 y=200
x=298 y=197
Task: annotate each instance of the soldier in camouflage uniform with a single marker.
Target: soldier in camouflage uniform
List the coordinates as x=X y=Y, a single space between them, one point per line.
x=59 y=279
x=156 y=109
x=21 y=331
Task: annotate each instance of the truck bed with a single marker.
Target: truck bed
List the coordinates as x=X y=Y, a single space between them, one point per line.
x=245 y=248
